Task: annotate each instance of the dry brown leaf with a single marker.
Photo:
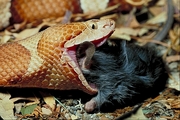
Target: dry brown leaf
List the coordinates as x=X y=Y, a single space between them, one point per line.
x=5 y=39
x=174 y=103
x=5 y=36
x=158 y=19
x=37 y=112
x=26 y=33
x=46 y=111
x=31 y=31
x=124 y=33
x=175 y=40
x=120 y=36
x=49 y=99
x=112 y=16
x=103 y=117
x=34 y=100
x=143 y=31
x=172 y=35
x=137 y=2
x=134 y=23
x=172 y=58
x=155 y=10
x=174 y=81
x=6 y=106
x=161 y=3
x=20 y=26
x=176 y=4
x=101 y=13
x=74 y=117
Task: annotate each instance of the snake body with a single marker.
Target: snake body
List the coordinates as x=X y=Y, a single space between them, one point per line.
x=48 y=59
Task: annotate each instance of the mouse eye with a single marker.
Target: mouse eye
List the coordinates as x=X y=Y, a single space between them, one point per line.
x=94 y=26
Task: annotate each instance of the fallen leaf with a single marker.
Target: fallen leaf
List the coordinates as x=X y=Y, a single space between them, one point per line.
x=46 y=111
x=161 y=2
x=134 y=23
x=174 y=81
x=6 y=106
x=161 y=18
x=33 y=100
x=121 y=36
x=49 y=99
x=124 y=33
x=137 y=116
x=26 y=33
x=28 y=109
x=174 y=103
x=5 y=39
x=172 y=58
x=175 y=39
x=20 y=26
x=102 y=12
x=4 y=95
x=73 y=117
x=18 y=107
x=142 y=31
x=155 y=10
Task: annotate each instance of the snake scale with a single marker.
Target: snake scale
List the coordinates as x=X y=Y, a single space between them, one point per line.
x=48 y=59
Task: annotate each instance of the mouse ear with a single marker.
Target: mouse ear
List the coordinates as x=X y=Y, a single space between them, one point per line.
x=84 y=53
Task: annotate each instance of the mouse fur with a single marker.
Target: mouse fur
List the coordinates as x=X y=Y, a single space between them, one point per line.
x=125 y=74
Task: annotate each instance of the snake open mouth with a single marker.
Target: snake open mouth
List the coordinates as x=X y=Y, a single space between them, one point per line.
x=81 y=55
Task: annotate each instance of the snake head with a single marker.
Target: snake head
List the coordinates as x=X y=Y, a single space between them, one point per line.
x=94 y=31
x=69 y=37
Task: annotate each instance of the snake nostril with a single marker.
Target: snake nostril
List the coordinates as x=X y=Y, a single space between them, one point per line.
x=109 y=24
x=112 y=23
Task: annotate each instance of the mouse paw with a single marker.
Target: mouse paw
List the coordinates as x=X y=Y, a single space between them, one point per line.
x=90 y=106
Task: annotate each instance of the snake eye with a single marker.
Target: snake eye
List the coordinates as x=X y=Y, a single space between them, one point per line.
x=94 y=26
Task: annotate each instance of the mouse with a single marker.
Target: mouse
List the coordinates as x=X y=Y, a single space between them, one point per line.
x=124 y=74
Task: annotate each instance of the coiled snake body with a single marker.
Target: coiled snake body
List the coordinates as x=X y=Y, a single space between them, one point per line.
x=48 y=59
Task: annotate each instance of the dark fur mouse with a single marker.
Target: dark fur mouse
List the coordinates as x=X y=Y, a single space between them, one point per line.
x=124 y=74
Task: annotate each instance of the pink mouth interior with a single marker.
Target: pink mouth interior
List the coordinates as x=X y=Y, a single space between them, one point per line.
x=72 y=50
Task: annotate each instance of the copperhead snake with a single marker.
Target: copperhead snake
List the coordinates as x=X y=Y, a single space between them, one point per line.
x=48 y=60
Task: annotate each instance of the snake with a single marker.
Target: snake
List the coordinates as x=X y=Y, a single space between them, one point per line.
x=48 y=58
